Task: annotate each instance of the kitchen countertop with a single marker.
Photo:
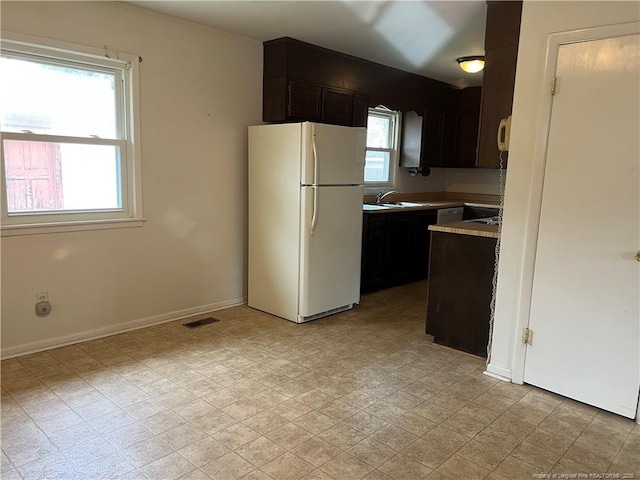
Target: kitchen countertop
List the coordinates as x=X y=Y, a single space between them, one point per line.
x=467 y=228
x=432 y=201
x=431 y=205
x=438 y=200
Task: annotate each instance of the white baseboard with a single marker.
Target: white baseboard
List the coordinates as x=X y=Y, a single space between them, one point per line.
x=500 y=373
x=50 y=343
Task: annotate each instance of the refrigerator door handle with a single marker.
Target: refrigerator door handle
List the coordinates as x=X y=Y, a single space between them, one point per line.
x=314 y=148
x=314 y=216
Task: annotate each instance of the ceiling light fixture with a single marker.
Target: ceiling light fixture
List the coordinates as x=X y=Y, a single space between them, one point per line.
x=471 y=64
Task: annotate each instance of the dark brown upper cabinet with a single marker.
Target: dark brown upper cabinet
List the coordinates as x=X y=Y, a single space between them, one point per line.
x=299 y=76
x=469 y=118
x=297 y=89
x=430 y=139
x=503 y=24
x=337 y=106
x=501 y=52
x=360 y=110
x=308 y=101
x=497 y=99
x=305 y=101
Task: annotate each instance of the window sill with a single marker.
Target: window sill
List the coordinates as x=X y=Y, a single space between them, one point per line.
x=63 y=227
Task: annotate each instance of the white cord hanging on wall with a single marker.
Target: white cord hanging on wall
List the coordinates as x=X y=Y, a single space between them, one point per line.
x=494 y=282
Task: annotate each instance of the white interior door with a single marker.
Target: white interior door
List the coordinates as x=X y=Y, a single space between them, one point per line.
x=585 y=301
x=330 y=256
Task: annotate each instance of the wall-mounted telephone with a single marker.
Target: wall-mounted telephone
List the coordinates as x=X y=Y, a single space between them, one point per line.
x=504 y=132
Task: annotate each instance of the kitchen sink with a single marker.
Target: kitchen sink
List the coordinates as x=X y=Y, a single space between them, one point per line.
x=373 y=207
x=406 y=204
x=386 y=206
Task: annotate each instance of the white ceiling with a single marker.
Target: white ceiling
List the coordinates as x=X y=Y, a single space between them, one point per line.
x=422 y=36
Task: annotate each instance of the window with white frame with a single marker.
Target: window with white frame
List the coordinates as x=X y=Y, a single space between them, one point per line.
x=381 y=162
x=68 y=121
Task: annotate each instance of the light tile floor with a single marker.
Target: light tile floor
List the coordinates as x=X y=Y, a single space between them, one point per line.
x=362 y=394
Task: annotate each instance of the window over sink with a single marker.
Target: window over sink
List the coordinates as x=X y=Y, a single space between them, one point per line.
x=381 y=162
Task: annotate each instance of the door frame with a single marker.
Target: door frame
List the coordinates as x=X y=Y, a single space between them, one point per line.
x=554 y=41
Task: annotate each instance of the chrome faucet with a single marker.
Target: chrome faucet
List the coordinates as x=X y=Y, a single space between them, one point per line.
x=382 y=195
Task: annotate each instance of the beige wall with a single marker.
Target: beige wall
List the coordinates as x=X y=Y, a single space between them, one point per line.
x=474 y=180
x=539 y=19
x=200 y=89
x=435 y=182
x=468 y=180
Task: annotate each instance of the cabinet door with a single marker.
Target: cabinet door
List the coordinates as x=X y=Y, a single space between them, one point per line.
x=468 y=127
x=360 y=110
x=411 y=148
x=459 y=292
x=497 y=98
x=304 y=101
x=399 y=252
x=431 y=135
x=430 y=140
x=275 y=99
x=448 y=148
x=421 y=243
x=439 y=138
x=374 y=251
x=337 y=106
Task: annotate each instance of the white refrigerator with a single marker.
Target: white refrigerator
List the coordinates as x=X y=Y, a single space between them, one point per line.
x=305 y=218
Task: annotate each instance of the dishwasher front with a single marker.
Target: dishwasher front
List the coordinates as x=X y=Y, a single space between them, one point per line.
x=446 y=215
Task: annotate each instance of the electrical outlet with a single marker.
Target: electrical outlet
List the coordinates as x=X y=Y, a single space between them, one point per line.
x=43 y=308
x=42 y=297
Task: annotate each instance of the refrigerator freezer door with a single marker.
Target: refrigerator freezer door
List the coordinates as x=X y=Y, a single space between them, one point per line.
x=333 y=155
x=330 y=258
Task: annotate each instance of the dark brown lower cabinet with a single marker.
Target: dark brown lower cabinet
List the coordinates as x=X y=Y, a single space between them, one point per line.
x=395 y=248
x=460 y=288
x=421 y=242
x=374 y=252
x=399 y=253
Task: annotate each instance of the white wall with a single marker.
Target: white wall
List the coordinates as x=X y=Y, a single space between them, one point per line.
x=200 y=89
x=435 y=182
x=474 y=180
x=539 y=19
x=467 y=180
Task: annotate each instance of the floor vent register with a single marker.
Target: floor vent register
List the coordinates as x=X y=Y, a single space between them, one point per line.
x=200 y=323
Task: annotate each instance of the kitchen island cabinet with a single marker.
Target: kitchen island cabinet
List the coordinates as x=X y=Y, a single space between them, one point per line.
x=460 y=287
